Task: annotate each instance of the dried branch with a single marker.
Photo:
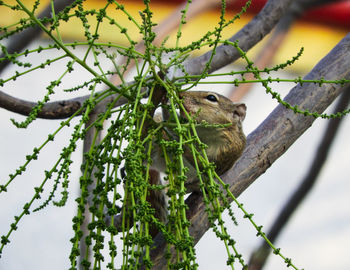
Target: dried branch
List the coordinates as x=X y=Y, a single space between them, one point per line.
x=247 y=37
x=52 y=110
x=260 y=256
x=166 y=26
x=264 y=58
x=272 y=138
x=266 y=54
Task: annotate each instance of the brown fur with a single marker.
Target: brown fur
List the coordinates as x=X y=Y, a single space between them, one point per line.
x=225 y=144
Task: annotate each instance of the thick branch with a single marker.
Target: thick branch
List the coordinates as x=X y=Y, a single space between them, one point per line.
x=275 y=41
x=248 y=36
x=259 y=257
x=273 y=137
x=53 y=110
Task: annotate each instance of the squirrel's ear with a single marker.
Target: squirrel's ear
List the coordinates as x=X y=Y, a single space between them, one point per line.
x=239 y=111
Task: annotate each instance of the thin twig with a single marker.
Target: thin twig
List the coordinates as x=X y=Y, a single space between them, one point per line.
x=21 y=40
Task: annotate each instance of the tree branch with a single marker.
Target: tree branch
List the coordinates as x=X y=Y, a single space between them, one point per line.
x=251 y=34
x=275 y=41
x=272 y=138
x=259 y=257
x=248 y=36
x=54 y=110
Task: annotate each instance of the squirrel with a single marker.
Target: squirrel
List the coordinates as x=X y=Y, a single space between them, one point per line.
x=225 y=144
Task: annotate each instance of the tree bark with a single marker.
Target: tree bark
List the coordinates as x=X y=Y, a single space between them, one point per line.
x=247 y=37
x=260 y=255
x=272 y=138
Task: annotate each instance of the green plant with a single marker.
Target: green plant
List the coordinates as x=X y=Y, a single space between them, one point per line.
x=130 y=136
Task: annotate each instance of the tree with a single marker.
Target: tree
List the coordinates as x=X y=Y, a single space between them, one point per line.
x=104 y=156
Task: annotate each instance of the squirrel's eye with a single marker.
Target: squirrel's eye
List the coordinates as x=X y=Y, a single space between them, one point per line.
x=212 y=98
